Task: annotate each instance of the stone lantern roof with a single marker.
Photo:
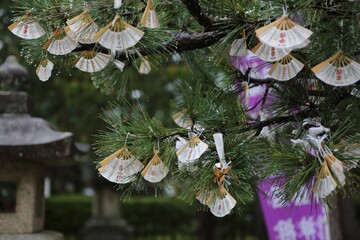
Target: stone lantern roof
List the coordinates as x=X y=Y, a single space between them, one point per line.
x=23 y=137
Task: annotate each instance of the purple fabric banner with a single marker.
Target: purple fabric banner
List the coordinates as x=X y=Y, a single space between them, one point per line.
x=303 y=219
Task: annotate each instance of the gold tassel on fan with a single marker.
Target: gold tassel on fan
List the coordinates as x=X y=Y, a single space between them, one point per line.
x=27 y=28
x=149 y=19
x=155 y=171
x=118 y=35
x=90 y=61
x=339 y=70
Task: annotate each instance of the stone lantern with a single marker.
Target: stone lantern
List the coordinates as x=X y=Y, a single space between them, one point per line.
x=27 y=146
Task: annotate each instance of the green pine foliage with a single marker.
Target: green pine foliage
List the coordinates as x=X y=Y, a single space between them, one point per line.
x=201 y=39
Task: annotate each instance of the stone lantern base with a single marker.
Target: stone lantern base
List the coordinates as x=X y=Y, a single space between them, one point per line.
x=43 y=235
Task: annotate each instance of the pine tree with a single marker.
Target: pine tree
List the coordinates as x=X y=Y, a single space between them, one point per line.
x=199 y=34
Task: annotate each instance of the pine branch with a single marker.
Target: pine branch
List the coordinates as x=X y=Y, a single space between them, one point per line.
x=180 y=42
x=196 y=11
x=276 y=120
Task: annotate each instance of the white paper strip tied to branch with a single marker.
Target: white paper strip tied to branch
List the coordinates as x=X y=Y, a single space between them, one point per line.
x=27 y=28
x=219 y=144
x=117 y=4
x=44 y=69
x=283 y=33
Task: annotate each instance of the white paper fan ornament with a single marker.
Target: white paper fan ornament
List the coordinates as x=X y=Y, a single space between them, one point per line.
x=286 y=68
x=59 y=43
x=189 y=151
x=149 y=19
x=120 y=65
x=120 y=167
x=238 y=47
x=204 y=196
x=283 y=33
x=271 y=54
x=118 y=35
x=336 y=167
x=145 y=67
x=44 y=69
x=27 y=28
x=155 y=170
x=223 y=203
x=182 y=119
x=90 y=61
x=82 y=28
x=325 y=183
x=339 y=70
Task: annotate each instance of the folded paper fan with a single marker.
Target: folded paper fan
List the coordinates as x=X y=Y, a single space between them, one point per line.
x=155 y=170
x=44 y=69
x=205 y=196
x=271 y=54
x=182 y=119
x=223 y=203
x=59 y=43
x=118 y=35
x=149 y=19
x=238 y=48
x=339 y=70
x=189 y=151
x=145 y=67
x=325 y=183
x=82 y=28
x=120 y=167
x=283 y=33
x=129 y=165
x=336 y=167
x=27 y=28
x=90 y=61
x=286 y=68
x=252 y=65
